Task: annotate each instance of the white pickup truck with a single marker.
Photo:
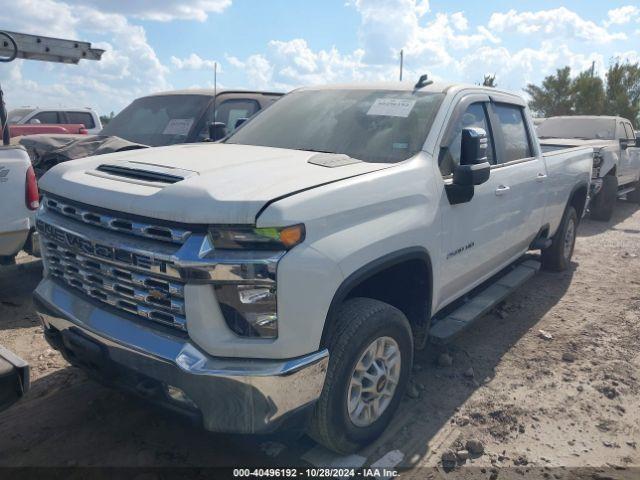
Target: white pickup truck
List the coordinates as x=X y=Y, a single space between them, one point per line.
x=616 y=167
x=288 y=273
x=19 y=198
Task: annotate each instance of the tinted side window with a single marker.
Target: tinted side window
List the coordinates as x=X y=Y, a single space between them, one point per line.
x=45 y=117
x=514 y=132
x=81 y=117
x=474 y=116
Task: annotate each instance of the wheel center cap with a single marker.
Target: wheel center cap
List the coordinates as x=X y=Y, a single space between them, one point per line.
x=382 y=381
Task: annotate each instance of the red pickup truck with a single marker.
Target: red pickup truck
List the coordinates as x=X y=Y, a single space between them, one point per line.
x=30 y=129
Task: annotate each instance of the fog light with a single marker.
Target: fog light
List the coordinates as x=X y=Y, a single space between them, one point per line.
x=178 y=395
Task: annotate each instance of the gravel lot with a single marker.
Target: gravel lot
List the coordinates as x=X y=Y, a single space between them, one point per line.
x=549 y=380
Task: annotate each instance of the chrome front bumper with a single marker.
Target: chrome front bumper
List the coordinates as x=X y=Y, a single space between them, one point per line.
x=228 y=395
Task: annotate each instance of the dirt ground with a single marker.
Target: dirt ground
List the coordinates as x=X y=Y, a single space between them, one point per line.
x=547 y=383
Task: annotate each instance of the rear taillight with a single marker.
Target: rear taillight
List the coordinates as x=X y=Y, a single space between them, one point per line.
x=32 y=196
x=83 y=131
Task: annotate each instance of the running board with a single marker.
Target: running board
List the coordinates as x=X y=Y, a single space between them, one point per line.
x=447 y=329
x=622 y=192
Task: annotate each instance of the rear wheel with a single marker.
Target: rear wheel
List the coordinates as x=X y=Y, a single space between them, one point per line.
x=557 y=257
x=371 y=352
x=603 y=204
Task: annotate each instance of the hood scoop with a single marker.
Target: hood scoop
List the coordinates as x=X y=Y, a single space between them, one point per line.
x=332 y=160
x=145 y=172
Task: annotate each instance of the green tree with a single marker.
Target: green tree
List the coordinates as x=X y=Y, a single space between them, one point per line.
x=106 y=119
x=489 y=81
x=588 y=94
x=623 y=90
x=554 y=97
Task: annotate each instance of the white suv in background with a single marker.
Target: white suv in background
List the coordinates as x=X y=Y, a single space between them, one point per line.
x=53 y=116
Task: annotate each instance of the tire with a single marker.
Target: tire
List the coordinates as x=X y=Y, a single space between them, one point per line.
x=557 y=257
x=360 y=323
x=635 y=195
x=603 y=204
x=7 y=259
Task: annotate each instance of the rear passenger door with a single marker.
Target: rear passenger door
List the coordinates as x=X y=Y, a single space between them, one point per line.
x=521 y=177
x=630 y=157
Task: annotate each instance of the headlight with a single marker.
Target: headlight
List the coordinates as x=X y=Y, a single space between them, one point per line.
x=249 y=310
x=253 y=238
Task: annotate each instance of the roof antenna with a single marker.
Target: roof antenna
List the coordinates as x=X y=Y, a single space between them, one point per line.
x=423 y=81
x=215 y=89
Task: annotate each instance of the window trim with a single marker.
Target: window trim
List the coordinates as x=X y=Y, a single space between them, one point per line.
x=495 y=119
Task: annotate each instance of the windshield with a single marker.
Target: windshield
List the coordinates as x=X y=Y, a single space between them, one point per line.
x=587 y=128
x=14 y=116
x=158 y=120
x=369 y=125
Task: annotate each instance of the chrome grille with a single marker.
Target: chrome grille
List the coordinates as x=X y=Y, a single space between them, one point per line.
x=118 y=224
x=148 y=296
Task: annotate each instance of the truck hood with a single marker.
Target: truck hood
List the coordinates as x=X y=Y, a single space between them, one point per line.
x=198 y=183
x=578 y=142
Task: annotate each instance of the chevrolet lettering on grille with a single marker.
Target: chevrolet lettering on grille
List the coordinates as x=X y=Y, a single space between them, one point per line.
x=91 y=248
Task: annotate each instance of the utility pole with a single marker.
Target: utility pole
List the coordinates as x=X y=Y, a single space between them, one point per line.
x=45 y=49
x=401 y=63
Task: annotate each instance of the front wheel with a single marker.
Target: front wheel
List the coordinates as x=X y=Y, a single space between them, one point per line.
x=558 y=256
x=371 y=352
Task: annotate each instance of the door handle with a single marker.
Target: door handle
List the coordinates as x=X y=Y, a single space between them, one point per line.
x=502 y=189
x=541 y=177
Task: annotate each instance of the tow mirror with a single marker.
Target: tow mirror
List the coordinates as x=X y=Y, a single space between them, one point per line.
x=14 y=378
x=474 y=169
x=239 y=122
x=624 y=144
x=217 y=131
x=637 y=142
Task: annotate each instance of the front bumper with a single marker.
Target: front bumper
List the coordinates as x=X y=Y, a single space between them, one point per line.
x=227 y=395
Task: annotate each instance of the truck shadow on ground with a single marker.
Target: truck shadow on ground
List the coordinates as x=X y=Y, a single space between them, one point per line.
x=622 y=212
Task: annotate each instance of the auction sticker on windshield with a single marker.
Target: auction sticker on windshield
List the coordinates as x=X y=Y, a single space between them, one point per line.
x=178 y=126
x=392 y=107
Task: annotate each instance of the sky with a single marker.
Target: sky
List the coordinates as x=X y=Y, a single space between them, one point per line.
x=156 y=45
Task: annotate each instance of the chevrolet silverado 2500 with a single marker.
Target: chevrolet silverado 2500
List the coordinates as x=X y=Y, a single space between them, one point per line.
x=616 y=168
x=291 y=278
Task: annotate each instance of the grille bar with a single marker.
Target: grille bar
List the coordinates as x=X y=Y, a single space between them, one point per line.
x=118 y=224
x=144 y=295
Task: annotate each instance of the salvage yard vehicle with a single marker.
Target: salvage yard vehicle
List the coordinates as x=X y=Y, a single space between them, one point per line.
x=291 y=279
x=616 y=168
x=166 y=118
x=68 y=129
x=20 y=200
x=53 y=116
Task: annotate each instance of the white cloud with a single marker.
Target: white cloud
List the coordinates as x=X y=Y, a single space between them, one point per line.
x=129 y=67
x=559 y=22
x=160 y=10
x=194 y=62
x=622 y=15
x=459 y=21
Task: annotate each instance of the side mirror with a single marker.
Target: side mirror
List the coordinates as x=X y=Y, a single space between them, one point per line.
x=217 y=131
x=637 y=142
x=14 y=378
x=624 y=143
x=239 y=122
x=474 y=169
